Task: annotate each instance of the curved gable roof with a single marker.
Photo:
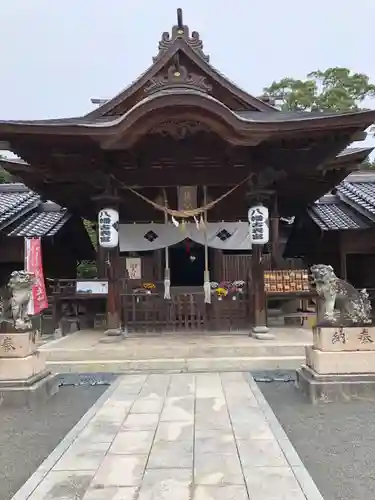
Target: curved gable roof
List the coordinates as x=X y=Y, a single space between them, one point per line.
x=192 y=47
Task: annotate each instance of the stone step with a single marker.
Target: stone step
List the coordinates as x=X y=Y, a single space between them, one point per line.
x=134 y=351
x=178 y=364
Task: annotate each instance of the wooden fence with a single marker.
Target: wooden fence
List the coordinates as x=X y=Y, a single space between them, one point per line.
x=184 y=312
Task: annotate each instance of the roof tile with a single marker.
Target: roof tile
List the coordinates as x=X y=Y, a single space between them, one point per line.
x=13 y=203
x=40 y=224
x=22 y=213
x=360 y=193
x=336 y=216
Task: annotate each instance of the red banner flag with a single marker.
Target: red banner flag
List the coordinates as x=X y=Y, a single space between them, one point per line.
x=34 y=264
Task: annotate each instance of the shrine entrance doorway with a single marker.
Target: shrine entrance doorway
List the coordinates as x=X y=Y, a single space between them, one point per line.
x=186 y=260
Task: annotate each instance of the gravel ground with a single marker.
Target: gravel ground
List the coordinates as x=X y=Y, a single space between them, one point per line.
x=27 y=437
x=336 y=441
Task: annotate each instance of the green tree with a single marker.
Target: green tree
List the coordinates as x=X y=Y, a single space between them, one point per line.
x=368 y=164
x=4 y=175
x=336 y=89
x=90 y=228
x=87 y=268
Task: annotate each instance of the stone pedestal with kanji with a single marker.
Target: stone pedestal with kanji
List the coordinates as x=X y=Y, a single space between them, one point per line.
x=24 y=378
x=340 y=365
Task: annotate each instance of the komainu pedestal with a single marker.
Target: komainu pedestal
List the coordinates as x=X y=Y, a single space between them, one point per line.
x=24 y=379
x=340 y=365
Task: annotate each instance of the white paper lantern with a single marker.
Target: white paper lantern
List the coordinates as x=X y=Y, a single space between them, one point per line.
x=259 y=225
x=108 y=225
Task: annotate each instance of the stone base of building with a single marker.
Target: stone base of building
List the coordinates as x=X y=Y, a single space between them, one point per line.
x=262 y=333
x=335 y=387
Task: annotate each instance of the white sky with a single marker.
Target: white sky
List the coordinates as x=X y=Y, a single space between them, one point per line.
x=56 y=55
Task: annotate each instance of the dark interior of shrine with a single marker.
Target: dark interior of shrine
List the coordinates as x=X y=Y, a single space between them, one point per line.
x=186 y=260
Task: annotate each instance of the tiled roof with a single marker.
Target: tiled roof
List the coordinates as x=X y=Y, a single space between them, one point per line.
x=14 y=203
x=332 y=215
x=359 y=194
x=22 y=213
x=351 y=207
x=40 y=224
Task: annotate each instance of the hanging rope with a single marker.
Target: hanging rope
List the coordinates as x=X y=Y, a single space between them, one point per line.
x=206 y=280
x=185 y=214
x=167 y=272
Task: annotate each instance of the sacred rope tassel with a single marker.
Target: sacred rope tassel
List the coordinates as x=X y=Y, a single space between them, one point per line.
x=167 y=280
x=167 y=272
x=207 y=280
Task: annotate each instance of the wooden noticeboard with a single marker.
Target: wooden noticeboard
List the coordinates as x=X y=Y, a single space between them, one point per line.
x=134 y=268
x=287 y=281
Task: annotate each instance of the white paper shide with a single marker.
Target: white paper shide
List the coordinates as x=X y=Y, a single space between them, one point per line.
x=108 y=225
x=259 y=224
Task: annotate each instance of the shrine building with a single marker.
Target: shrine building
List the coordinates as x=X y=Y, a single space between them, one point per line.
x=24 y=214
x=184 y=156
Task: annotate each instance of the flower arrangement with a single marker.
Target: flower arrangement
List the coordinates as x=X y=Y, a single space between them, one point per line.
x=148 y=286
x=228 y=288
x=238 y=286
x=221 y=292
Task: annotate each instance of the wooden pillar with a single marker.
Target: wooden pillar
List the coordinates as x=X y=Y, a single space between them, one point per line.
x=259 y=298
x=114 y=292
x=112 y=269
x=257 y=291
x=101 y=258
x=342 y=251
x=275 y=224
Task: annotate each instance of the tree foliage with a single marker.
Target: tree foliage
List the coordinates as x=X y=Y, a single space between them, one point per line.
x=336 y=89
x=4 y=175
x=368 y=164
x=90 y=228
x=88 y=268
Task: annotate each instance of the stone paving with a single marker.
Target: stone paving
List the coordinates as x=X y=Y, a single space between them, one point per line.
x=180 y=437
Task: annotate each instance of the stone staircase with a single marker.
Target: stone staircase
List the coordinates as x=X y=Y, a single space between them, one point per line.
x=82 y=352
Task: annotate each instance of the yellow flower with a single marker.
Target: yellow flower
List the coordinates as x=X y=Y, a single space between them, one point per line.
x=221 y=292
x=149 y=286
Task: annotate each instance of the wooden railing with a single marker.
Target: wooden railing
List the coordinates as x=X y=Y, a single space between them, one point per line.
x=184 y=312
x=151 y=313
x=143 y=312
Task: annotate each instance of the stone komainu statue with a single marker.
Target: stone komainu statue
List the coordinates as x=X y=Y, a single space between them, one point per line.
x=20 y=286
x=341 y=303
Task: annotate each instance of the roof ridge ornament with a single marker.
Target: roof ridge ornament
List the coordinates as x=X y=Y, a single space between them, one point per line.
x=177 y=77
x=181 y=31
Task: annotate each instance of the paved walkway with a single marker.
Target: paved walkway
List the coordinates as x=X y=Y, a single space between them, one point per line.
x=175 y=437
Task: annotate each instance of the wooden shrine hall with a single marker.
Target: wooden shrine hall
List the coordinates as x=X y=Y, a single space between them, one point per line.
x=181 y=155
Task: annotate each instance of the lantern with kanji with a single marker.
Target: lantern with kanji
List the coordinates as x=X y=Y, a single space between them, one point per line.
x=259 y=224
x=108 y=226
